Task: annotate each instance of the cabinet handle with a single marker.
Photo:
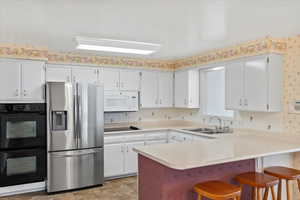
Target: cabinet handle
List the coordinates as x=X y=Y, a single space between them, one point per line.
x=185 y=102
x=127 y=149
x=24 y=93
x=246 y=102
x=241 y=102
x=17 y=93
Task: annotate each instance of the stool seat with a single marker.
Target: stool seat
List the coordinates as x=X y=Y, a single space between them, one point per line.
x=256 y=179
x=217 y=190
x=283 y=172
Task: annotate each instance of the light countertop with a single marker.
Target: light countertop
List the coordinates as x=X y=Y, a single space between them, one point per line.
x=239 y=146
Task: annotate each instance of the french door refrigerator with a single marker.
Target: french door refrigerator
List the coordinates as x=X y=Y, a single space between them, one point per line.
x=75 y=136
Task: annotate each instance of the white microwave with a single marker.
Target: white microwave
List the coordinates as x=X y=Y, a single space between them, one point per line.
x=121 y=101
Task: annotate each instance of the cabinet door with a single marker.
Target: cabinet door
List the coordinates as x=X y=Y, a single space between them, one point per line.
x=58 y=74
x=129 y=79
x=149 y=88
x=111 y=79
x=85 y=75
x=165 y=82
x=256 y=85
x=131 y=158
x=33 y=80
x=234 y=81
x=10 y=77
x=181 y=89
x=193 y=85
x=113 y=160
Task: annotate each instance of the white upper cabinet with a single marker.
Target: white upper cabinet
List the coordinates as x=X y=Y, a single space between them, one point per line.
x=121 y=79
x=165 y=89
x=187 y=89
x=22 y=81
x=129 y=79
x=33 y=81
x=64 y=73
x=234 y=89
x=85 y=75
x=149 y=89
x=156 y=89
x=56 y=73
x=255 y=84
x=10 y=80
x=111 y=78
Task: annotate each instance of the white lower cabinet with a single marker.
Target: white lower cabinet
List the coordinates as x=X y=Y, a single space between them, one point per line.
x=121 y=160
x=113 y=160
x=131 y=157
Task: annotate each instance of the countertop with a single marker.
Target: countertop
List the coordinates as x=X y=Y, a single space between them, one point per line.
x=177 y=125
x=242 y=145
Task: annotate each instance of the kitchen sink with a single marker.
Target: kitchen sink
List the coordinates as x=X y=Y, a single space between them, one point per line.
x=211 y=130
x=117 y=129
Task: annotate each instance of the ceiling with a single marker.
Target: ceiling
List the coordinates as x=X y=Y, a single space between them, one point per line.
x=184 y=28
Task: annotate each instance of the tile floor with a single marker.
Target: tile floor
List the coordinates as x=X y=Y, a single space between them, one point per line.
x=119 y=189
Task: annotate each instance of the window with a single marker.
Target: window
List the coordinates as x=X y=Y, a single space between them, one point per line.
x=213 y=92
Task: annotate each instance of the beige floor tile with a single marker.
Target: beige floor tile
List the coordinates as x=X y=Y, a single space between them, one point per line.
x=119 y=189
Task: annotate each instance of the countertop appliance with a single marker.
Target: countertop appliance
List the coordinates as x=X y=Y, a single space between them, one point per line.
x=121 y=101
x=75 y=136
x=22 y=143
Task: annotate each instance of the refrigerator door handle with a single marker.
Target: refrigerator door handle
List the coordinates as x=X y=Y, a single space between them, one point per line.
x=79 y=107
x=75 y=154
x=76 y=113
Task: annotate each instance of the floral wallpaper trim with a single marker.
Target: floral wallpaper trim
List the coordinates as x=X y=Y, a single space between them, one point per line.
x=23 y=52
x=110 y=61
x=251 y=48
x=256 y=47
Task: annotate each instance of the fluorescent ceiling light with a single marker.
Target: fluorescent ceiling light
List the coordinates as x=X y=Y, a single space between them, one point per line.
x=117 y=46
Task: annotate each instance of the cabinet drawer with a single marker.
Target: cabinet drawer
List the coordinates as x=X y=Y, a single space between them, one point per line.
x=135 y=137
x=156 y=136
x=112 y=139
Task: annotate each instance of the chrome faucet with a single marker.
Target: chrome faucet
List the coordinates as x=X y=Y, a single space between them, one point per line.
x=220 y=127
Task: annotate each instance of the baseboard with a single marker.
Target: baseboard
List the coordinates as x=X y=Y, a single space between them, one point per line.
x=121 y=176
x=20 y=189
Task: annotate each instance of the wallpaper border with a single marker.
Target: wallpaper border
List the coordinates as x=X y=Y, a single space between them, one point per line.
x=250 y=48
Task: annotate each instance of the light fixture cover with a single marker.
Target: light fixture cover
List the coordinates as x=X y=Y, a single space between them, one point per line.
x=117 y=46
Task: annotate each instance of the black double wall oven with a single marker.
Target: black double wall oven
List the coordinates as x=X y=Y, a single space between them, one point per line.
x=22 y=143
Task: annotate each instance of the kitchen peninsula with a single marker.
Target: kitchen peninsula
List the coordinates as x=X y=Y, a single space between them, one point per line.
x=169 y=171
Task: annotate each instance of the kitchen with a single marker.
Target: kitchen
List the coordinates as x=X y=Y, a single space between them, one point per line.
x=138 y=106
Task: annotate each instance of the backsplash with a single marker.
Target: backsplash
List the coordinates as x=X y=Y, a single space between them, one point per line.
x=259 y=121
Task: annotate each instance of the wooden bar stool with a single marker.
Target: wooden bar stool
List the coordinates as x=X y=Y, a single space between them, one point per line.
x=217 y=190
x=288 y=174
x=258 y=181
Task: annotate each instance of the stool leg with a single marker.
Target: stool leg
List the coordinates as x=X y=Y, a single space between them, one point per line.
x=279 y=190
x=298 y=181
x=253 y=193
x=199 y=197
x=266 y=194
x=273 y=192
x=258 y=194
x=288 y=194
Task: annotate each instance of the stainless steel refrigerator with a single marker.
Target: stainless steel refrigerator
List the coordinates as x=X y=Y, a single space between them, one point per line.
x=75 y=136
